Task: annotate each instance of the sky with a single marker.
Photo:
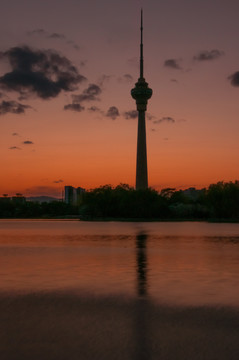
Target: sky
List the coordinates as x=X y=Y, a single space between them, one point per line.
x=66 y=114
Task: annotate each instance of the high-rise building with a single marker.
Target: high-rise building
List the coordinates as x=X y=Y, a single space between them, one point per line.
x=141 y=93
x=73 y=195
x=69 y=194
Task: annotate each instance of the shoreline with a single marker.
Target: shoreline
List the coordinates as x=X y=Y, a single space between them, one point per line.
x=109 y=219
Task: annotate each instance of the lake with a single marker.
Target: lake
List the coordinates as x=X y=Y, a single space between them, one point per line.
x=118 y=290
x=191 y=263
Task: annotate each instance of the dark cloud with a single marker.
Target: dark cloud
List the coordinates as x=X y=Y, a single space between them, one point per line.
x=74 y=107
x=15 y=134
x=172 y=63
x=83 y=62
x=43 y=73
x=73 y=44
x=94 y=109
x=46 y=34
x=174 y=80
x=153 y=130
x=126 y=78
x=234 y=78
x=131 y=114
x=165 y=139
x=134 y=62
x=28 y=142
x=58 y=181
x=89 y=94
x=112 y=112
x=56 y=36
x=164 y=119
x=208 y=55
x=104 y=79
x=12 y=107
x=15 y=148
x=149 y=116
x=37 y=32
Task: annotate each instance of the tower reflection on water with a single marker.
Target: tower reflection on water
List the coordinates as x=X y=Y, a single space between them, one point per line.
x=142 y=322
x=141 y=239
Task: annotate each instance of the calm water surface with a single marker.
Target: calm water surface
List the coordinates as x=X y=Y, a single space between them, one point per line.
x=186 y=263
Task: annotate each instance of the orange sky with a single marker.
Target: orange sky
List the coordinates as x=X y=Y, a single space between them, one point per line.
x=197 y=147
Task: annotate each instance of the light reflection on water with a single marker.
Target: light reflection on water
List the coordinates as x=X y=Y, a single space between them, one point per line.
x=175 y=263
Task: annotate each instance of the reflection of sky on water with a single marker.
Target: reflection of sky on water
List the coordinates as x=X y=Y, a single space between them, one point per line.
x=178 y=263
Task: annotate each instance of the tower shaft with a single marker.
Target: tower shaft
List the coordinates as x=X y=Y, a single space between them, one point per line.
x=141 y=164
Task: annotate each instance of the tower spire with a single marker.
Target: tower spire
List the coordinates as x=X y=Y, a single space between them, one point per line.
x=141 y=48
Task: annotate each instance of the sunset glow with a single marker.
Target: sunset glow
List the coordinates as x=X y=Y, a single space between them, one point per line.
x=191 y=62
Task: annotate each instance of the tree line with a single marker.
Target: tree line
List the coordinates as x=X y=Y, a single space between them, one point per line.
x=219 y=201
x=20 y=208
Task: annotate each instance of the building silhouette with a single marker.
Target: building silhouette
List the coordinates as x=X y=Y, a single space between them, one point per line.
x=73 y=195
x=141 y=93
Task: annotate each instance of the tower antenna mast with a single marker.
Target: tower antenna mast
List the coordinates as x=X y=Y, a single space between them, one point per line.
x=141 y=48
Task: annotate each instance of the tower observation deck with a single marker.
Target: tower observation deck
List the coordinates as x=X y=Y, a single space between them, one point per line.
x=141 y=93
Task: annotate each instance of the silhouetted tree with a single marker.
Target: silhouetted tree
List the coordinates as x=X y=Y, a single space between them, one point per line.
x=219 y=201
x=223 y=200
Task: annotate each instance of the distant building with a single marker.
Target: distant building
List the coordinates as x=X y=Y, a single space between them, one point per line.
x=73 y=195
x=5 y=198
x=18 y=199
x=69 y=194
x=42 y=199
x=193 y=193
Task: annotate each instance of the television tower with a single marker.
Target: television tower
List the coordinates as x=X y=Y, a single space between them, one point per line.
x=141 y=93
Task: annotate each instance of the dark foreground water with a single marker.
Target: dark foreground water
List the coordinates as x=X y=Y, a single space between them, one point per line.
x=95 y=290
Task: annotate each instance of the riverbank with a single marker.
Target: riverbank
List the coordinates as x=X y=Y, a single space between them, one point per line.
x=120 y=219
x=60 y=325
